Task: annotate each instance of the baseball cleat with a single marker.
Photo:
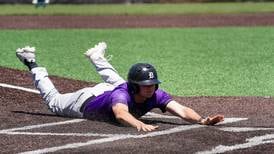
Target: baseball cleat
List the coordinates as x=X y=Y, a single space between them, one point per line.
x=26 y=54
x=98 y=51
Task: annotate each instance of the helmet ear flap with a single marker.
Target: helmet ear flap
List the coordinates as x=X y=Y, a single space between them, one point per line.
x=156 y=86
x=134 y=88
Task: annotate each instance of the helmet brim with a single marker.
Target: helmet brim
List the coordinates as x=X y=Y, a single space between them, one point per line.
x=148 y=82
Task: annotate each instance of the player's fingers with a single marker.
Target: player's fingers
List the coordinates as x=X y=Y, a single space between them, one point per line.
x=216 y=119
x=144 y=129
x=139 y=128
x=149 y=128
x=220 y=118
x=208 y=121
x=153 y=127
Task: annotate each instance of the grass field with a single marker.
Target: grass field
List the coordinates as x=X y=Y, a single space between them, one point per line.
x=190 y=62
x=139 y=9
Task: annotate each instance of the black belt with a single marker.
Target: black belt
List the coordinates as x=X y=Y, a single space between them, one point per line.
x=86 y=102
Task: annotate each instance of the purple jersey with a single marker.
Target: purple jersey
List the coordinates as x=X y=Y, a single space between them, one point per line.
x=101 y=107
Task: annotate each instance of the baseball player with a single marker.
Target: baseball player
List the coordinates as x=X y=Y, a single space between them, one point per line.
x=115 y=99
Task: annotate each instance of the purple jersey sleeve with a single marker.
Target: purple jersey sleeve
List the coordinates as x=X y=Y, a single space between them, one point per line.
x=119 y=96
x=162 y=99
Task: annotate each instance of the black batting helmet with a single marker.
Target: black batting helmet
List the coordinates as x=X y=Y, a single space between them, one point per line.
x=142 y=74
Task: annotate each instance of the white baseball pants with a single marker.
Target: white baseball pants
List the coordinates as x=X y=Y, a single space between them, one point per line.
x=69 y=104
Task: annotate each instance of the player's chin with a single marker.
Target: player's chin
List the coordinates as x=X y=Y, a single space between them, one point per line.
x=149 y=95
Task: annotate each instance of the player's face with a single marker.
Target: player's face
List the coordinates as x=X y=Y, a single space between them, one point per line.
x=147 y=91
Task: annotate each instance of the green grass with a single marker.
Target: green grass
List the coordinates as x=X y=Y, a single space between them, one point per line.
x=139 y=9
x=190 y=62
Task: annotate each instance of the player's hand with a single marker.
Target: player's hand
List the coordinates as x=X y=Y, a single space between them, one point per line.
x=146 y=128
x=212 y=120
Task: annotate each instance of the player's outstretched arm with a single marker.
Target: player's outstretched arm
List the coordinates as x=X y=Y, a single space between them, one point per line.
x=190 y=115
x=122 y=115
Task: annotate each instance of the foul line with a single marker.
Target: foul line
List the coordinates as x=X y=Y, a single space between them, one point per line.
x=62 y=134
x=42 y=125
x=156 y=115
x=19 y=88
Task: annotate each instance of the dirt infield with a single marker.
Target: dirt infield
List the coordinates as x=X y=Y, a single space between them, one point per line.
x=252 y=116
x=38 y=22
x=28 y=126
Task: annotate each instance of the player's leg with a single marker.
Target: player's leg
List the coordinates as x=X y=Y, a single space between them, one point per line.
x=61 y=104
x=102 y=66
x=68 y=104
x=47 y=90
x=40 y=76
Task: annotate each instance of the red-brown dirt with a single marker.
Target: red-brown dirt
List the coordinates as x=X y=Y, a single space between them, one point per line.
x=38 y=22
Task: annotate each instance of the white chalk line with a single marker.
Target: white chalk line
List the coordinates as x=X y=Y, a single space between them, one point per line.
x=156 y=115
x=76 y=145
x=251 y=142
x=243 y=129
x=19 y=88
x=42 y=125
x=230 y=120
x=122 y=137
x=62 y=134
